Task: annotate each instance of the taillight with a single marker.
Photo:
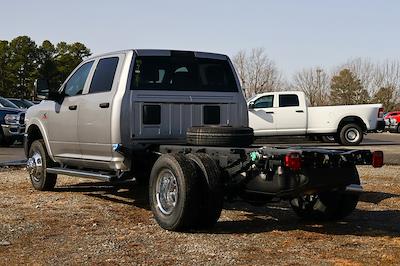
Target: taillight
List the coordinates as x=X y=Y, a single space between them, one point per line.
x=293 y=161
x=380 y=113
x=377 y=159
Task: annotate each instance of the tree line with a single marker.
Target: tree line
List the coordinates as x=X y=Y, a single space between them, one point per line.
x=22 y=61
x=357 y=81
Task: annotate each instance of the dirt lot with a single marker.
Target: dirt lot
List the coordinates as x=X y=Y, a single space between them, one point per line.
x=94 y=223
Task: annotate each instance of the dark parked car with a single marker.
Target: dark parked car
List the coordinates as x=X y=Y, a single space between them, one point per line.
x=12 y=121
x=21 y=103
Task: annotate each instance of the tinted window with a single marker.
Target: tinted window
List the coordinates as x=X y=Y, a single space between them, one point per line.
x=264 y=102
x=104 y=75
x=287 y=100
x=76 y=83
x=180 y=73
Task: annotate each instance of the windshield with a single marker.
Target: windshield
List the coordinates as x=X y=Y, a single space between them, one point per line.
x=183 y=74
x=7 y=103
x=21 y=103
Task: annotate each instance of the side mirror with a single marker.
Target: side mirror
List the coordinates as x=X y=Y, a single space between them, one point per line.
x=42 y=88
x=44 y=92
x=251 y=105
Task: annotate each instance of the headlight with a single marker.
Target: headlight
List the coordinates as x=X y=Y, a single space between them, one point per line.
x=11 y=119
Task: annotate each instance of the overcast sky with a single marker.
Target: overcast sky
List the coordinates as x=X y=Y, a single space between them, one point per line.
x=296 y=34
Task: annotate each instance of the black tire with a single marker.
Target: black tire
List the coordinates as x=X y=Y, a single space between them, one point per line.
x=212 y=190
x=328 y=139
x=5 y=142
x=220 y=136
x=351 y=135
x=41 y=180
x=328 y=205
x=185 y=213
x=398 y=128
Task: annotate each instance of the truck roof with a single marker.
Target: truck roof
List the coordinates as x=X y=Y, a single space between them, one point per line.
x=162 y=52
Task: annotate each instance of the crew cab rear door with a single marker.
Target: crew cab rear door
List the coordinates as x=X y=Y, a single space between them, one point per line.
x=291 y=115
x=94 y=121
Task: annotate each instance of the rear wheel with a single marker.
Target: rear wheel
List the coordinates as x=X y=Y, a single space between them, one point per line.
x=398 y=128
x=212 y=189
x=351 y=135
x=37 y=164
x=174 y=192
x=327 y=205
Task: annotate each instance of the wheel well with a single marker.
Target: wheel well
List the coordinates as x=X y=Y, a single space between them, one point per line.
x=352 y=120
x=33 y=134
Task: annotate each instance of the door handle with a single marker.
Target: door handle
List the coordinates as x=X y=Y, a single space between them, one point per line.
x=104 y=105
x=269 y=112
x=72 y=107
x=299 y=111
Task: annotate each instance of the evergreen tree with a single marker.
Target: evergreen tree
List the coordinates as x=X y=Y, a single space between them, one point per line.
x=347 y=89
x=387 y=97
x=22 y=61
x=23 y=65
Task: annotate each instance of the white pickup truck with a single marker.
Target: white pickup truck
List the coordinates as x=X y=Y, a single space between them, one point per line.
x=287 y=114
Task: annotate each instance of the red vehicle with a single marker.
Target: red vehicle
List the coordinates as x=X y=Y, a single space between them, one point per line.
x=392 y=120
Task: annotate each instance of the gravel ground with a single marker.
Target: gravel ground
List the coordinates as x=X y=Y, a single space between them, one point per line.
x=85 y=222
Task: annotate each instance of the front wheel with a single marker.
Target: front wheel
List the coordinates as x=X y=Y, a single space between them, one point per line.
x=5 y=142
x=328 y=139
x=37 y=164
x=351 y=135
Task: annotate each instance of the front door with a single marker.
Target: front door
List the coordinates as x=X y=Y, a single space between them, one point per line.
x=63 y=118
x=262 y=116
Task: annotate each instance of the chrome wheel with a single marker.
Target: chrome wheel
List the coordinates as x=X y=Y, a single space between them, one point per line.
x=167 y=192
x=352 y=135
x=34 y=166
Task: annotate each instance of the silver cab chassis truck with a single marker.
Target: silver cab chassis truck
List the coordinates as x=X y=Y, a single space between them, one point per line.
x=178 y=121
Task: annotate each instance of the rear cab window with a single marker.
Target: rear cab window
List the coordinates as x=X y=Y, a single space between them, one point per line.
x=104 y=74
x=183 y=73
x=288 y=100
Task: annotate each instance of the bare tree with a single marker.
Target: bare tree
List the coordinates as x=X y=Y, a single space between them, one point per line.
x=314 y=82
x=257 y=73
x=387 y=80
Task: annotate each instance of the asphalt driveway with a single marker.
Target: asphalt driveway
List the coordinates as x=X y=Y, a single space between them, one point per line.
x=389 y=143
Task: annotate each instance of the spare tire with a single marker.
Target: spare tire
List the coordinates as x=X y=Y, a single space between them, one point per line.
x=220 y=136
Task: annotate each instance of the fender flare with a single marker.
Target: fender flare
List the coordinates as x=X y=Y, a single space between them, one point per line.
x=352 y=119
x=39 y=124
